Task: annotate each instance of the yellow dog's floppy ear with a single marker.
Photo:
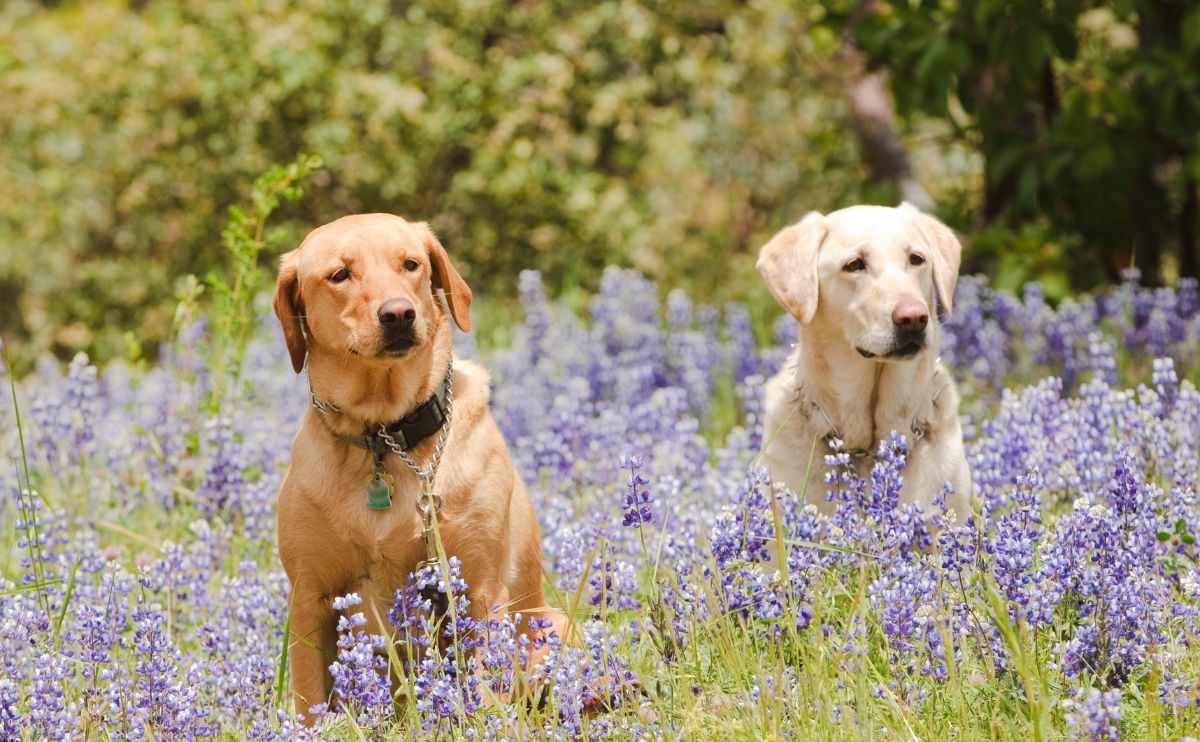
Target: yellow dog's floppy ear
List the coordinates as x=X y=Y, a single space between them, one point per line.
x=788 y=263
x=945 y=252
x=447 y=278
x=290 y=310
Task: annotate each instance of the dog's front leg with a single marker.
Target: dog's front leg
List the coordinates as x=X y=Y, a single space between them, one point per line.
x=313 y=644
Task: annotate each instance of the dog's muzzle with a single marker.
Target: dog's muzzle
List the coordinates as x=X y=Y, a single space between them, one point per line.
x=397 y=318
x=907 y=344
x=904 y=345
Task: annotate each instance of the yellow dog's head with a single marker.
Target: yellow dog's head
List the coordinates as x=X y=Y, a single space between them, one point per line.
x=866 y=273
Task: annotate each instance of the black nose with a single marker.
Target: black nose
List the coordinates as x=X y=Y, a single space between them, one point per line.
x=396 y=314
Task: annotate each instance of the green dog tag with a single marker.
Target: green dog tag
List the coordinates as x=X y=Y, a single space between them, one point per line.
x=379 y=491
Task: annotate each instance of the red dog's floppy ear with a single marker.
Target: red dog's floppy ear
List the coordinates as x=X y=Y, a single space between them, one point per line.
x=447 y=278
x=290 y=310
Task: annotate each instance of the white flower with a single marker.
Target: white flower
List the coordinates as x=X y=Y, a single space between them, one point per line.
x=1191 y=586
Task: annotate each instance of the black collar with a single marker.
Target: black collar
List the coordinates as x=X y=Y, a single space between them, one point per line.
x=407 y=432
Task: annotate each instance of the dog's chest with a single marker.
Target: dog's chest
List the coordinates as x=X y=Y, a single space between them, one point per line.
x=382 y=537
x=388 y=546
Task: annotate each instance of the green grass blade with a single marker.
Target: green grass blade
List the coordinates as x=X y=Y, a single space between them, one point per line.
x=66 y=601
x=37 y=561
x=281 y=675
x=29 y=588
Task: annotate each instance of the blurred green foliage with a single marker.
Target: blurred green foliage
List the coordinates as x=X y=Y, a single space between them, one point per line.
x=232 y=320
x=1086 y=115
x=1063 y=139
x=561 y=136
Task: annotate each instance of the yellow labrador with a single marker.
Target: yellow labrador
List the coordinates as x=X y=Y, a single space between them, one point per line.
x=861 y=283
x=357 y=304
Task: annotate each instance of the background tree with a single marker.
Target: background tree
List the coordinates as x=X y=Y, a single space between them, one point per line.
x=1060 y=137
x=557 y=136
x=1086 y=115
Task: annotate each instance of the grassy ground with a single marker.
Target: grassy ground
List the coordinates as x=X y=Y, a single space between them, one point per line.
x=151 y=596
x=142 y=596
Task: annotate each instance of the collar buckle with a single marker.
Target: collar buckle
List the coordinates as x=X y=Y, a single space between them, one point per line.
x=432 y=416
x=438 y=408
x=382 y=444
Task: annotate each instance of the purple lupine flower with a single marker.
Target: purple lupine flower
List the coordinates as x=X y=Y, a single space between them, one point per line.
x=537 y=315
x=750 y=393
x=442 y=649
x=1124 y=494
x=95 y=638
x=1093 y=715
x=156 y=667
x=82 y=397
x=1016 y=537
x=636 y=502
x=1096 y=557
x=887 y=478
x=1102 y=358
x=1097 y=561
x=160 y=700
x=742 y=348
x=50 y=713
x=1165 y=382
x=614 y=583
x=692 y=356
x=975 y=337
x=223 y=480
x=590 y=676
x=361 y=684
x=742 y=532
x=906 y=598
x=10 y=715
x=65 y=418
x=505 y=650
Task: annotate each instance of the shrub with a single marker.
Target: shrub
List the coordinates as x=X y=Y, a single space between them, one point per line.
x=556 y=136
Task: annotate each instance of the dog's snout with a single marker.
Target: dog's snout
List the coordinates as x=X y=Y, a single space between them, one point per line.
x=397 y=313
x=910 y=315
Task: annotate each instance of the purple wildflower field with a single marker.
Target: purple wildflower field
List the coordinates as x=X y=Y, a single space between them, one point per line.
x=142 y=597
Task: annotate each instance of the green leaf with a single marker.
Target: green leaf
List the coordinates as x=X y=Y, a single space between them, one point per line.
x=1028 y=184
x=930 y=62
x=1190 y=32
x=1062 y=33
x=1005 y=160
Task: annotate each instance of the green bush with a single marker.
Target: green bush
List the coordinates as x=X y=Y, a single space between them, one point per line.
x=671 y=137
x=1085 y=115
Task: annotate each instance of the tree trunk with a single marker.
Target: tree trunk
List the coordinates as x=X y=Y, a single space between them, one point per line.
x=1148 y=211
x=875 y=120
x=1158 y=28
x=1189 y=222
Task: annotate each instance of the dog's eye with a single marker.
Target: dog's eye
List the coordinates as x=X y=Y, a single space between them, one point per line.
x=340 y=276
x=411 y=265
x=915 y=259
x=854 y=266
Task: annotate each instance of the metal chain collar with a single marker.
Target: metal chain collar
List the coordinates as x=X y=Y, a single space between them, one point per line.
x=322 y=407
x=429 y=503
x=834 y=437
